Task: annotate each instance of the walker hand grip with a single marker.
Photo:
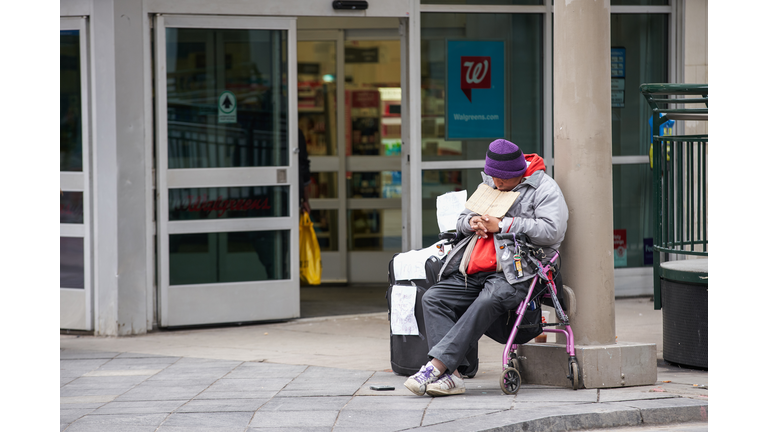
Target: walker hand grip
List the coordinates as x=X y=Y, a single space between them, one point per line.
x=448 y=235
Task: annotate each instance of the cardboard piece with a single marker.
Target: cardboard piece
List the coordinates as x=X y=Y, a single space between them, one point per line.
x=489 y=201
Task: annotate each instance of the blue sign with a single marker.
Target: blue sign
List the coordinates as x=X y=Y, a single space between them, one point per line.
x=618 y=62
x=475 y=99
x=648 y=251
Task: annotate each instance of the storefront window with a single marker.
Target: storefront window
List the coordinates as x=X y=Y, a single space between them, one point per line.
x=317 y=95
x=632 y=216
x=501 y=99
x=326 y=224
x=639 y=2
x=437 y=182
x=72 y=262
x=229 y=257
x=227 y=98
x=483 y=2
x=323 y=185
x=639 y=45
x=71 y=210
x=383 y=184
x=375 y=230
x=372 y=92
x=228 y=203
x=70 y=135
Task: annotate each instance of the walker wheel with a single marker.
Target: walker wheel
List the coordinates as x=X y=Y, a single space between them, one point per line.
x=574 y=373
x=510 y=381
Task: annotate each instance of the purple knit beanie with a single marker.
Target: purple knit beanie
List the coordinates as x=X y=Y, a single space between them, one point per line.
x=504 y=160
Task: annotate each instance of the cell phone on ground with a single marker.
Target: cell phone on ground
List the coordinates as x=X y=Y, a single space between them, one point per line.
x=382 y=387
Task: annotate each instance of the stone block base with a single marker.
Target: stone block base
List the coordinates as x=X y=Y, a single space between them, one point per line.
x=623 y=364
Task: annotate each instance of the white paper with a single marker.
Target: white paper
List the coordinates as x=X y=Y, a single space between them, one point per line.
x=402 y=318
x=410 y=265
x=449 y=206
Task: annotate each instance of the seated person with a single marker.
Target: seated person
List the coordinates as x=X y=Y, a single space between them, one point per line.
x=478 y=283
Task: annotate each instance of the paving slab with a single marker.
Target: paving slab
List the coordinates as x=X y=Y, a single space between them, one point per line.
x=633 y=393
x=296 y=419
x=86 y=354
x=176 y=380
x=378 y=420
x=88 y=381
x=438 y=416
x=252 y=394
x=67 y=415
x=76 y=367
x=320 y=381
x=325 y=403
x=138 y=363
x=117 y=422
x=70 y=391
x=259 y=370
x=466 y=402
x=222 y=405
x=315 y=375
x=153 y=393
x=555 y=394
x=290 y=429
x=250 y=384
x=664 y=411
x=86 y=400
x=101 y=372
x=208 y=421
x=388 y=403
x=138 y=407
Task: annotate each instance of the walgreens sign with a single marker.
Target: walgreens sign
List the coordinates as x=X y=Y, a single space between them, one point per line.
x=475 y=74
x=475 y=102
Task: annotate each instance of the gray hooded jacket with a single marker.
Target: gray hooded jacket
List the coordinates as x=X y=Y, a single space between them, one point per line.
x=540 y=212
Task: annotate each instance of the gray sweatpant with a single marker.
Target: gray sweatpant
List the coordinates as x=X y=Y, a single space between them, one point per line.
x=457 y=314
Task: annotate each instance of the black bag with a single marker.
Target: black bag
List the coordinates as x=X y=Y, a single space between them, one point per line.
x=408 y=353
x=530 y=326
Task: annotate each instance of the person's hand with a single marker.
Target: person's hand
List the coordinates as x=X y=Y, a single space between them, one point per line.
x=305 y=201
x=484 y=225
x=492 y=223
x=478 y=225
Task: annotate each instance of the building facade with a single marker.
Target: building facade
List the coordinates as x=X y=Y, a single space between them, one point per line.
x=180 y=124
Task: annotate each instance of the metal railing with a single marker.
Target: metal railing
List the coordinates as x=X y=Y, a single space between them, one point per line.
x=679 y=164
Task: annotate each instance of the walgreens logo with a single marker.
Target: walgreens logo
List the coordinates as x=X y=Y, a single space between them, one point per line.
x=475 y=74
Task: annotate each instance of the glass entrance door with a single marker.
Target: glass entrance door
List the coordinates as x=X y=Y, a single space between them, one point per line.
x=349 y=103
x=227 y=158
x=75 y=289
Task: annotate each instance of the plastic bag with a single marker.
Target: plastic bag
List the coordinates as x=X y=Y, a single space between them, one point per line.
x=309 y=252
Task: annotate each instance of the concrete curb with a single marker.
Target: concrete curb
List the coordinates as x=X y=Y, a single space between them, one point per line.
x=582 y=417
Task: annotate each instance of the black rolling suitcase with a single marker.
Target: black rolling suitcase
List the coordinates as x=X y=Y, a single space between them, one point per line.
x=409 y=353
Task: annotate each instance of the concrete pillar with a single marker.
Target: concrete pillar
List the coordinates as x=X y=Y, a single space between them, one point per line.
x=120 y=159
x=582 y=138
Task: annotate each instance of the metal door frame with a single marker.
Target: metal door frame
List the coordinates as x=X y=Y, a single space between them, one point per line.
x=259 y=300
x=80 y=182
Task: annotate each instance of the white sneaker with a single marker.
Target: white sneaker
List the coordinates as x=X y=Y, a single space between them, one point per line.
x=447 y=384
x=417 y=383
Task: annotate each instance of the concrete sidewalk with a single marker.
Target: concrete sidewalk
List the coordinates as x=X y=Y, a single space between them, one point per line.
x=314 y=375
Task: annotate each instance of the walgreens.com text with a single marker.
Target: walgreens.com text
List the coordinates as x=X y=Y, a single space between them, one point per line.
x=468 y=117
